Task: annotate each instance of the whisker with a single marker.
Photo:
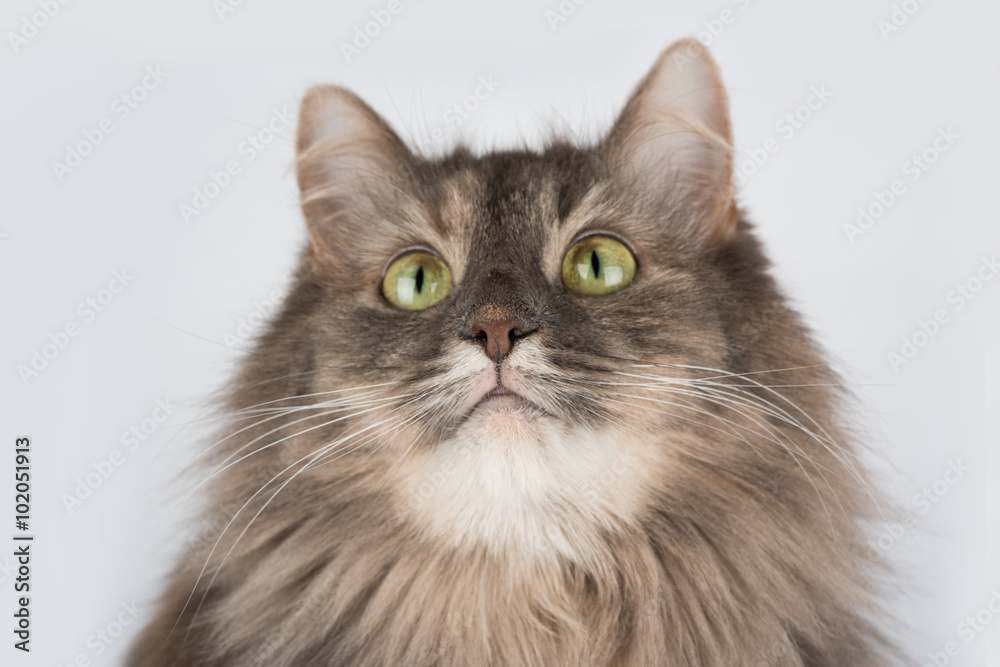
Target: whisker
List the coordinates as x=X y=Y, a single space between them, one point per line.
x=729 y=374
x=742 y=439
x=326 y=393
x=334 y=455
x=225 y=467
x=330 y=407
x=276 y=413
x=787 y=443
x=826 y=441
x=234 y=517
x=231 y=413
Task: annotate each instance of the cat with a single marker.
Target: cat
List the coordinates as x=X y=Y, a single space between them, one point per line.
x=531 y=408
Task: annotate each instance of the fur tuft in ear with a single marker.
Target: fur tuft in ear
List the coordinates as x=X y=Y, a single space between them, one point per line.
x=675 y=135
x=351 y=169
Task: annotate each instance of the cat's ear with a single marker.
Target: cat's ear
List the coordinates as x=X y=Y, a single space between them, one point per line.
x=674 y=138
x=351 y=168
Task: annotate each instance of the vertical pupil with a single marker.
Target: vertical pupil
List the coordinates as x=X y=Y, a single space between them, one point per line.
x=420 y=280
x=595 y=263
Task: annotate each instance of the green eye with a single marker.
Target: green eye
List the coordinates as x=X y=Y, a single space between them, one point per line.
x=416 y=281
x=598 y=265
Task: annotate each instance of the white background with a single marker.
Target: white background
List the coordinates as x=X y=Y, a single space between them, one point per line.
x=163 y=337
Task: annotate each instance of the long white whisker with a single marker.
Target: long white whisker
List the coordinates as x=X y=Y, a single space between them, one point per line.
x=238 y=512
x=278 y=412
x=307 y=466
x=322 y=393
x=225 y=467
x=724 y=400
x=826 y=441
x=331 y=408
x=750 y=430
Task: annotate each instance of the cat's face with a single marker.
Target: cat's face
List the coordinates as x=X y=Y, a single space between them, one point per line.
x=510 y=400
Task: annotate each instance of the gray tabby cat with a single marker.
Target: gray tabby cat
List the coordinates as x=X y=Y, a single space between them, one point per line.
x=531 y=408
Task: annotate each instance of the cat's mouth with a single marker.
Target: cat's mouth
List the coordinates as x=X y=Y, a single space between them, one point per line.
x=501 y=398
x=499 y=390
x=496 y=396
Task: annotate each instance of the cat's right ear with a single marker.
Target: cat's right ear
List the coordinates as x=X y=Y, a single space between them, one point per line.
x=351 y=169
x=673 y=141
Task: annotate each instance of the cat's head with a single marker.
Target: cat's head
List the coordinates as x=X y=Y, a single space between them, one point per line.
x=510 y=339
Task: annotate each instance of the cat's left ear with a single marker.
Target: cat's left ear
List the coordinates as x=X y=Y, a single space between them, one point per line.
x=352 y=171
x=674 y=139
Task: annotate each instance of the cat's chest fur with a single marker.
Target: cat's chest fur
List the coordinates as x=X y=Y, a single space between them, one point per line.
x=516 y=481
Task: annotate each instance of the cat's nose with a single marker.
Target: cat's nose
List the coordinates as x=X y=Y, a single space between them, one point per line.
x=498 y=335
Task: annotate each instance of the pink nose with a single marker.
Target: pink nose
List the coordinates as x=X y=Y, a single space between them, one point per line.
x=498 y=336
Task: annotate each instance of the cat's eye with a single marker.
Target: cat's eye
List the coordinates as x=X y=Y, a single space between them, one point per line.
x=417 y=280
x=598 y=265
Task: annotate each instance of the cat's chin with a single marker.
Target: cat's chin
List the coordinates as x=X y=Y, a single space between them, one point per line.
x=507 y=423
x=505 y=406
x=516 y=479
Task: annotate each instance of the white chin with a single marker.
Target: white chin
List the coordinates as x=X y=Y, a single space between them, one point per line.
x=507 y=402
x=503 y=417
x=514 y=476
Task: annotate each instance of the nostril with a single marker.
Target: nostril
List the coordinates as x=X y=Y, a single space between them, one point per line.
x=522 y=331
x=498 y=336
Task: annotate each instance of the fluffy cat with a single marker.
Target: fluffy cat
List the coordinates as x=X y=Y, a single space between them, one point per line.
x=530 y=408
